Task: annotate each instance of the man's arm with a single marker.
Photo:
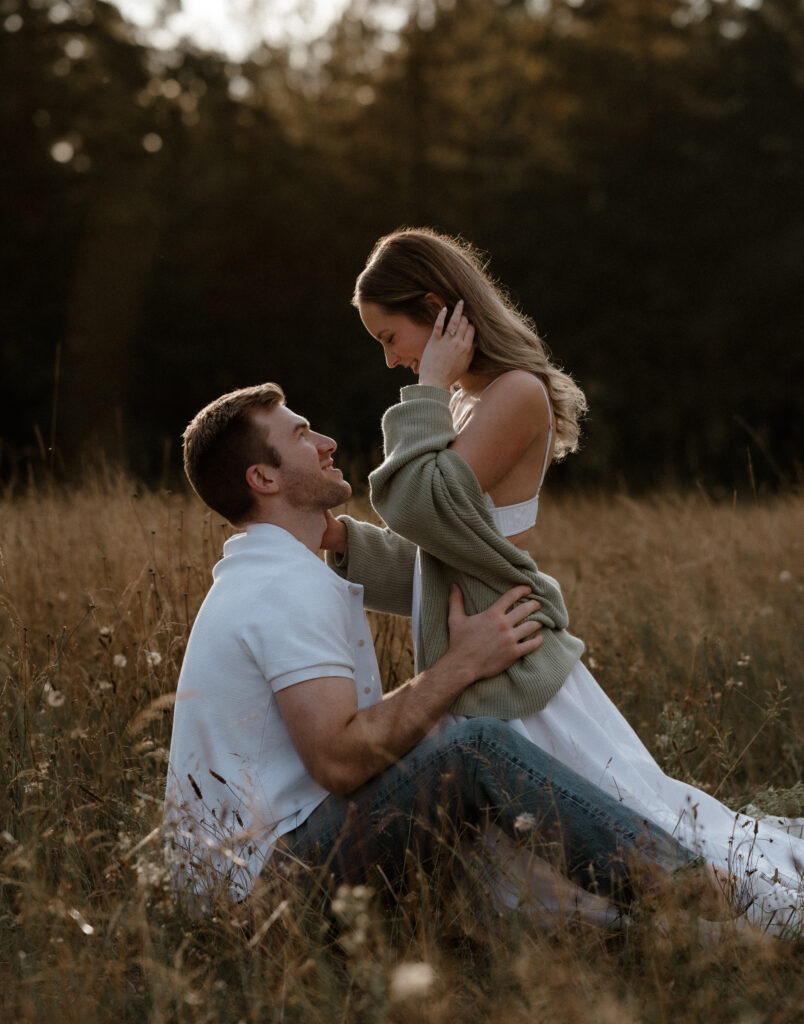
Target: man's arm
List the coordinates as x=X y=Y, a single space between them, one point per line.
x=343 y=747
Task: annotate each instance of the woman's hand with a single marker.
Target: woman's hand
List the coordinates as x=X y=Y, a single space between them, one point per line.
x=447 y=354
x=334 y=538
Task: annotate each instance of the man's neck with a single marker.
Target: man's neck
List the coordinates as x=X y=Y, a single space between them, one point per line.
x=305 y=525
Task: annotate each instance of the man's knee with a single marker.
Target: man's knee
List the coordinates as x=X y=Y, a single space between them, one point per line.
x=480 y=732
x=492 y=740
x=479 y=749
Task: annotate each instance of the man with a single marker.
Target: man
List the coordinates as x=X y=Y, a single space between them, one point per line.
x=281 y=730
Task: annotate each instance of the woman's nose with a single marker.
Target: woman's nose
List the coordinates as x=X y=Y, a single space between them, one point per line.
x=391 y=360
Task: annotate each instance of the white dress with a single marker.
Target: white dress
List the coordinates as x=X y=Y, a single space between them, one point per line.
x=582 y=728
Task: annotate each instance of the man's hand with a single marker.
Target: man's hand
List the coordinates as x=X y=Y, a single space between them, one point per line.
x=483 y=645
x=343 y=747
x=334 y=538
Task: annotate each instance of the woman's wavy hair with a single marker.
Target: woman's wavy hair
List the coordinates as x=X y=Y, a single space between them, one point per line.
x=407 y=265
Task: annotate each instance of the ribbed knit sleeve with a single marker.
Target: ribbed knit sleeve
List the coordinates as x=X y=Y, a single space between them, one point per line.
x=381 y=562
x=428 y=494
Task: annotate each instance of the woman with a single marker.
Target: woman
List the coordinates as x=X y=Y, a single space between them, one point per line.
x=461 y=481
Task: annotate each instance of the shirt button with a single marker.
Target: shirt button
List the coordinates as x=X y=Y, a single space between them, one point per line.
x=366 y=689
x=354 y=590
x=361 y=643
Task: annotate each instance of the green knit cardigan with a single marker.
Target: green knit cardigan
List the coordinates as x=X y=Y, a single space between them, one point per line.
x=431 y=500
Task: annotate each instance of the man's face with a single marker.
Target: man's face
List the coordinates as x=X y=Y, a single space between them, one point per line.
x=307 y=475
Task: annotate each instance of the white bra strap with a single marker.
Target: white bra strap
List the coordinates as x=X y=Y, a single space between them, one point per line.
x=549 y=449
x=490 y=383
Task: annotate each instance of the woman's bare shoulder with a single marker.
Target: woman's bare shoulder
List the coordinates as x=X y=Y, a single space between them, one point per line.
x=506 y=420
x=518 y=389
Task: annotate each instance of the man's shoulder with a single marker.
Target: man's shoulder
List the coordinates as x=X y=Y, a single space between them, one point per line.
x=272 y=569
x=270 y=555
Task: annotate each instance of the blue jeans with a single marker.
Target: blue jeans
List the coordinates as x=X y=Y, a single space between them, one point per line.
x=473 y=772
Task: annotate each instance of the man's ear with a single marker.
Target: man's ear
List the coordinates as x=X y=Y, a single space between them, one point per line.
x=262 y=478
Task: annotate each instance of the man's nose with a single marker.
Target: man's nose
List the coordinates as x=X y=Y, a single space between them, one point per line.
x=326 y=444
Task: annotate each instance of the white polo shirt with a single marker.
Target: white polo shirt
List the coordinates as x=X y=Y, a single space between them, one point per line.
x=275 y=616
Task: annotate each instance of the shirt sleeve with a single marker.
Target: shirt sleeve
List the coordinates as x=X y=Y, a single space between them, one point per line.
x=306 y=635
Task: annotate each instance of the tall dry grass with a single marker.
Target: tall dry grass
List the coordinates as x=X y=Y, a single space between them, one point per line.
x=691 y=614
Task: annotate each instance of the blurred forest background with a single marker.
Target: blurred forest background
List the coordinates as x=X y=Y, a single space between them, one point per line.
x=177 y=223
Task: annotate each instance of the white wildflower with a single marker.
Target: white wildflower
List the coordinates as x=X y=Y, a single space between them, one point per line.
x=54 y=697
x=150 y=874
x=411 y=981
x=79 y=919
x=524 y=822
x=351 y=902
x=104 y=684
x=153 y=658
x=105 y=631
x=785 y=576
x=120 y=661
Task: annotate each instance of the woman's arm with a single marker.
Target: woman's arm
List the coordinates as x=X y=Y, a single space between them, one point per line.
x=511 y=416
x=376 y=558
x=426 y=491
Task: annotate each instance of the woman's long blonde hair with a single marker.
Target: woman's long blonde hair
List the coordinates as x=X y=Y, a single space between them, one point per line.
x=407 y=265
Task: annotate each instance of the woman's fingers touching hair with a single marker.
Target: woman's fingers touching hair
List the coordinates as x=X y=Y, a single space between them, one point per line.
x=448 y=352
x=456 y=318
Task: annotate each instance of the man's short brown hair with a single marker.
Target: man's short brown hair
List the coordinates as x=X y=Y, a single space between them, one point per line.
x=222 y=441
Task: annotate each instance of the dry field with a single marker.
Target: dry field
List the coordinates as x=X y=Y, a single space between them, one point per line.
x=692 y=616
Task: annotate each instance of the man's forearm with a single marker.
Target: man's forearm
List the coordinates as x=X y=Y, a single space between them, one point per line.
x=380 y=735
x=343 y=747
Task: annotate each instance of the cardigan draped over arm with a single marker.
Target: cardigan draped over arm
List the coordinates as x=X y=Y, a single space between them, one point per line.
x=431 y=500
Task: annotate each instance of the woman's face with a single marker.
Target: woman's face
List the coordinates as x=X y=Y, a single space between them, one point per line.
x=402 y=339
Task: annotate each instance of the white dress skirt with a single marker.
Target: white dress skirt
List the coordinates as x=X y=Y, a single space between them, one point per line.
x=582 y=728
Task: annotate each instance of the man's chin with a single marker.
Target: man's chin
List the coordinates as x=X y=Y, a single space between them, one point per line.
x=346 y=490
x=340 y=492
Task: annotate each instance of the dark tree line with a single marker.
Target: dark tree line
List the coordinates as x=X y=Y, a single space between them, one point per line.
x=176 y=225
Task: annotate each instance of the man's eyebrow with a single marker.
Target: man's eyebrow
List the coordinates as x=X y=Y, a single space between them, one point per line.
x=301 y=425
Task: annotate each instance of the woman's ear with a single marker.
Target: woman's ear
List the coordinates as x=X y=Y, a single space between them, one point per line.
x=435 y=302
x=262 y=478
